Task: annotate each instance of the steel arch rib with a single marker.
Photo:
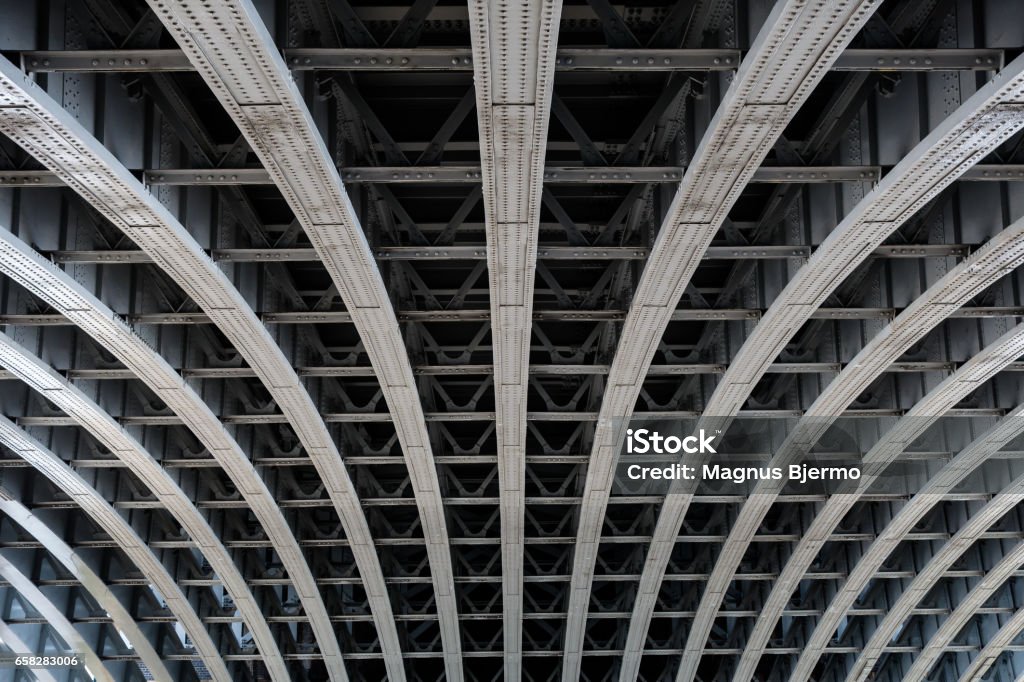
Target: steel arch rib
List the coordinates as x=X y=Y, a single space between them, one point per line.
x=926 y=412
x=93 y=584
x=1010 y=631
x=988 y=118
x=16 y=644
x=31 y=369
x=964 y=611
x=955 y=471
x=55 y=619
x=930 y=575
x=1001 y=254
x=791 y=54
x=513 y=64
x=19 y=262
x=94 y=173
x=231 y=49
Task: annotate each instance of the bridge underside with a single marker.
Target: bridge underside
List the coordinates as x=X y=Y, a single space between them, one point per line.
x=393 y=91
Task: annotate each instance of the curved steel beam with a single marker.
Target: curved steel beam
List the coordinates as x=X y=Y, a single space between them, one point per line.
x=987 y=119
x=929 y=576
x=77 y=567
x=955 y=471
x=16 y=645
x=55 y=618
x=983 y=366
x=47 y=132
x=23 y=265
x=513 y=65
x=965 y=610
x=231 y=49
x=791 y=54
x=1000 y=255
x=995 y=647
x=99 y=510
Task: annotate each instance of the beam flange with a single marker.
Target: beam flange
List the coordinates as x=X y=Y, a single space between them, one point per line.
x=461 y=59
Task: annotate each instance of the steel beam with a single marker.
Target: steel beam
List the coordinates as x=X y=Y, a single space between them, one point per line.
x=234 y=53
x=862 y=370
x=967 y=608
x=471 y=175
x=925 y=580
x=19 y=262
x=514 y=58
x=574 y=315
x=761 y=100
x=44 y=129
x=56 y=619
x=93 y=583
x=981 y=449
x=462 y=59
x=479 y=252
x=16 y=645
x=994 y=648
x=988 y=118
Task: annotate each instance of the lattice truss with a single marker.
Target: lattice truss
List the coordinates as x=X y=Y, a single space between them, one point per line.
x=322 y=320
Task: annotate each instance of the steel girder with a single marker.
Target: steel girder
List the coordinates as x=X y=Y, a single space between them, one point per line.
x=77 y=566
x=56 y=619
x=15 y=644
x=31 y=369
x=964 y=282
x=22 y=264
x=752 y=115
x=981 y=449
x=981 y=123
x=514 y=59
x=229 y=45
x=929 y=577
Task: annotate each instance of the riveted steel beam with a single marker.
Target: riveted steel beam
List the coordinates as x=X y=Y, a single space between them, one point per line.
x=461 y=59
x=234 y=53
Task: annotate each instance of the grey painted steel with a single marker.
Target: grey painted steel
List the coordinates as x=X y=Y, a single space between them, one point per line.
x=514 y=59
x=926 y=579
x=965 y=610
x=19 y=262
x=1000 y=255
x=17 y=645
x=84 y=412
x=232 y=50
x=92 y=583
x=42 y=127
x=987 y=119
x=56 y=619
x=985 y=364
x=981 y=449
x=461 y=59
x=791 y=54
x=994 y=648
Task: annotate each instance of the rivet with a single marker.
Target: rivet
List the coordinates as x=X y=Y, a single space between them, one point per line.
x=373 y=60
x=405 y=60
